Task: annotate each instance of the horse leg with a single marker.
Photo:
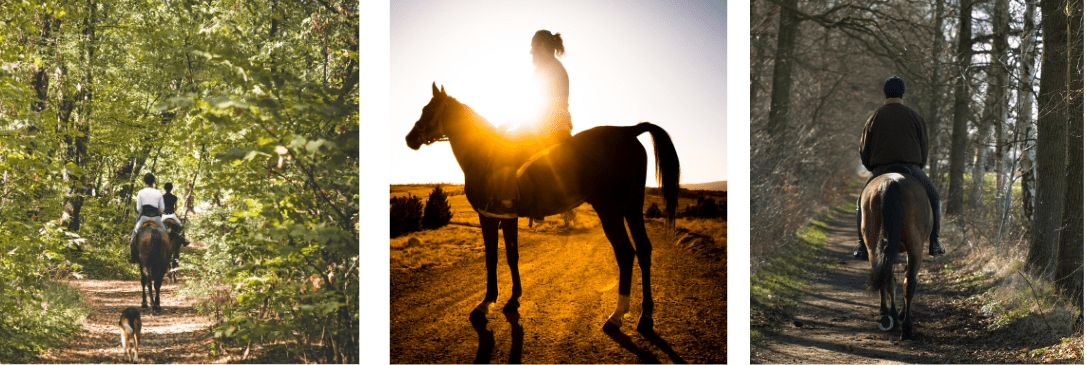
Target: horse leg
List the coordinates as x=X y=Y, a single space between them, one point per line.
x=636 y=221
x=490 y=242
x=910 y=288
x=888 y=308
x=615 y=229
x=143 y=286
x=509 y=230
x=157 y=280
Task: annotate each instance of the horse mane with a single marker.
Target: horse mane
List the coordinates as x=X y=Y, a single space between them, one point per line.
x=481 y=124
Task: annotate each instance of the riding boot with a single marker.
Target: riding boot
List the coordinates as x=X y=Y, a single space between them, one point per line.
x=860 y=251
x=935 y=247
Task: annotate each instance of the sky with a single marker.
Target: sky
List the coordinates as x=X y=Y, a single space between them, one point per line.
x=628 y=62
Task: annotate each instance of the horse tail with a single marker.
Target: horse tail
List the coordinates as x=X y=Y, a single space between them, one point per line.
x=890 y=239
x=154 y=260
x=667 y=167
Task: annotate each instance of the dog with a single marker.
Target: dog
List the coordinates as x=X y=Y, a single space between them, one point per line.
x=130 y=332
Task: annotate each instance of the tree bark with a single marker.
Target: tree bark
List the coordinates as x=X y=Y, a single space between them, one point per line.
x=780 y=96
x=1051 y=162
x=1069 y=262
x=935 y=97
x=954 y=200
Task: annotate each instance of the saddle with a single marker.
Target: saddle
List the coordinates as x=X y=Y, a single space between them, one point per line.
x=500 y=180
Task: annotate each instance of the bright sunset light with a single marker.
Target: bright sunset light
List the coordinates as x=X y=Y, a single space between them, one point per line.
x=627 y=63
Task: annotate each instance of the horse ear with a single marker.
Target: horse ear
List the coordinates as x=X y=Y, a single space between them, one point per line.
x=434 y=86
x=443 y=91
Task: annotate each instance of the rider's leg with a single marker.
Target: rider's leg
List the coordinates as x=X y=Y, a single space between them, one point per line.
x=934 y=246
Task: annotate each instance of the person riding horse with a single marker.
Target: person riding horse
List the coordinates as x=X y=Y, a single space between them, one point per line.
x=552 y=124
x=149 y=206
x=170 y=201
x=896 y=134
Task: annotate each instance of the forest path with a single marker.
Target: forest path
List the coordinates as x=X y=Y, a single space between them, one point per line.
x=570 y=286
x=177 y=334
x=834 y=320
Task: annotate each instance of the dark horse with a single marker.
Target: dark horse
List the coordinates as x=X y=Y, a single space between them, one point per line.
x=896 y=218
x=604 y=166
x=175 y=254
x=153 y=244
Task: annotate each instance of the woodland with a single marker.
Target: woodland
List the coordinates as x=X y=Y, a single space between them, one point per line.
x=999 y=84
x=249 y=108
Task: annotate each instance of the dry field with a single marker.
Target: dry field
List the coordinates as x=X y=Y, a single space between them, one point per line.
x=462 y=238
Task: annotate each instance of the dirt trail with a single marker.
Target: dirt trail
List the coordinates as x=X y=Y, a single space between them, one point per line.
x=834 y=320
x=570 y=287
x=177 y=334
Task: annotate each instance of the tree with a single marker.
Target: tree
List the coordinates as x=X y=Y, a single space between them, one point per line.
x=954 y=197
x=1051 y=162
x=1068 y=272
x=437 y=213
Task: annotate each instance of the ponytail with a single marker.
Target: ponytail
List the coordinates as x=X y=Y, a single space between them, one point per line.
x=556 y=43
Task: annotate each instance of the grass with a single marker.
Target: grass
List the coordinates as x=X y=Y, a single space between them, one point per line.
x=107 y=262
x=779 y=284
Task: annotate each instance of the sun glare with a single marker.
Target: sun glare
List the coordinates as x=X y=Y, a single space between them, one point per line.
x=498 y=85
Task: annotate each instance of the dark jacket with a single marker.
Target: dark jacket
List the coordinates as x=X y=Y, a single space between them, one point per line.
x=894 y=134
x=171 y=202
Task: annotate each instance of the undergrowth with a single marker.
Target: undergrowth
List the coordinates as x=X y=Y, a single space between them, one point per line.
x=778 y=285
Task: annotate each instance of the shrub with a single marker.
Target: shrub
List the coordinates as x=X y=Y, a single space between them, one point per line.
x=405 y=215
x=707 y=208
x=437 y=213
x=654 y=212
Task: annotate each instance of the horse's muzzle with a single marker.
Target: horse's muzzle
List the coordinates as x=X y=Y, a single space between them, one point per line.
x=414 y=141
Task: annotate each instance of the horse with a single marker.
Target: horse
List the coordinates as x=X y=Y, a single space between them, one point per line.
x=603 y=166
x=896 y=217
x=154 y=247
x=175 y=237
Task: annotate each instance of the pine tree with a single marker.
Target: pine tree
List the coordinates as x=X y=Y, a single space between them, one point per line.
x=437 y=213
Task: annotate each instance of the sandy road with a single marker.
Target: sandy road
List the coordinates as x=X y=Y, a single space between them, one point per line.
x=834 y=320
x=570 y=287
x=177 y=334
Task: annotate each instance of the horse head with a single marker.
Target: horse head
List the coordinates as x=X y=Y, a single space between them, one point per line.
x=429 y=128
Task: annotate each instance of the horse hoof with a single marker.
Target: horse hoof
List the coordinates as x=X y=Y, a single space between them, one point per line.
x=644 y=325
x=144 y=305
x=886 y=323
x=612 y=325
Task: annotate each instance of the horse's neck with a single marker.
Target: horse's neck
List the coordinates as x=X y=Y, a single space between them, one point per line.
x=472 y=143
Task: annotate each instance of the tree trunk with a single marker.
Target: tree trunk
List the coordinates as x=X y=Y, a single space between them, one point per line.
x=1027 y=53
x=958 y=138
x=934 y=99
x=779 y=99
x=997 y=91
x=1051 y=162
x=1069 y=262
x=80 y=124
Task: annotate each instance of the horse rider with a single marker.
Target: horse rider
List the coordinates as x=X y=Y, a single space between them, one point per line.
x=149 y=206
x=551 y=124
x=170 y=201
x=896 y=134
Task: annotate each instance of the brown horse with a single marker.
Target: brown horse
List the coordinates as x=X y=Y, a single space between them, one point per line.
x=603 y=166
x=175 y=238
x=153 y=245
x=896 y=218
